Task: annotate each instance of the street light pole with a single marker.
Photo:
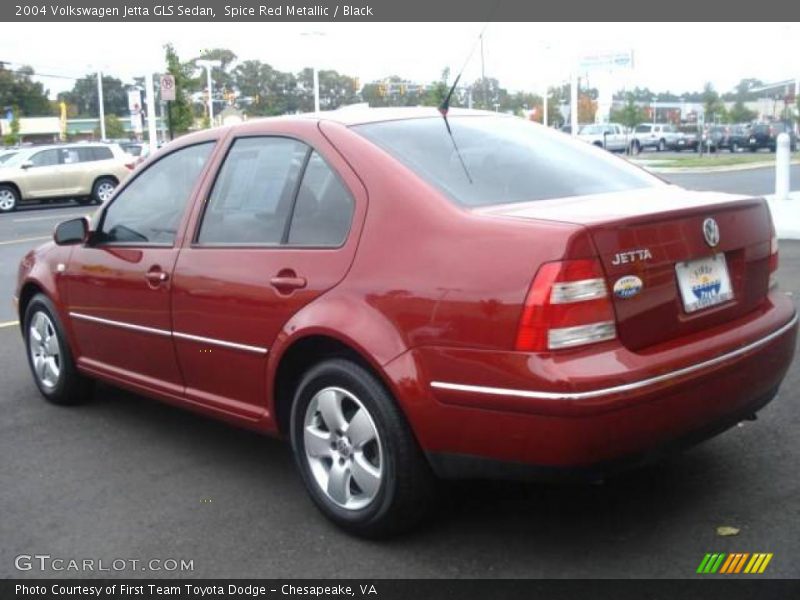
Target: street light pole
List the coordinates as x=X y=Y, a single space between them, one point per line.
x=101 y=105
x=314 y=70
x=210 y=64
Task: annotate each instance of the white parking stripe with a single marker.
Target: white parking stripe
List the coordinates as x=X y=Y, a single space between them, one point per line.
x=9 y=324
x=23 y=240
x=49 y=217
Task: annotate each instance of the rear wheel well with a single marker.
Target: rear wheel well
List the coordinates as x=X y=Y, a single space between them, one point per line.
x=300 y=357
x=111 y=177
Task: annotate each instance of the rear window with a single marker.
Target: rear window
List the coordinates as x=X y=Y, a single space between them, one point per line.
x=642 y=128
x=505 y=160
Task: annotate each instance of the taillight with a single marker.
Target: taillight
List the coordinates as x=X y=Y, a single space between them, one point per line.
x=131 y=166
x=773 y=259
x=567 y=305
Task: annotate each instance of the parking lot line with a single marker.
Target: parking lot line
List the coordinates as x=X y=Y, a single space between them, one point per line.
x=8 y=324
x=49 y=217
x=23 y=240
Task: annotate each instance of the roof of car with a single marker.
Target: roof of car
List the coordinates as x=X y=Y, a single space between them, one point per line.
x=359 y=115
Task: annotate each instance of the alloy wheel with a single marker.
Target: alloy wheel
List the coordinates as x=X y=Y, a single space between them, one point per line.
x=7 y=200
x=104 y=191
x=45 y=350
x=343 y=448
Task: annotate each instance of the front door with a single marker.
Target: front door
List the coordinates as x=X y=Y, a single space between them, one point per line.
x=42 y=177
x=273 y=236
x=118 y=285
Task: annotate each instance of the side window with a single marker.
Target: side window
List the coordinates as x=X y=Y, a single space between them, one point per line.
x=102 y=153
x=45 y=158
x=254 y=191
x=149 y=210
x=642 y=128
x=70 y=156
x=324 y=207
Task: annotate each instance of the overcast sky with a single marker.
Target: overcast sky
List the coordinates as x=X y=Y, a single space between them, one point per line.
x=677 y=57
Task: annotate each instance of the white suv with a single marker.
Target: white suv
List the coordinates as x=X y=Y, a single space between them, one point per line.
x=86 y=172
x=659 y=136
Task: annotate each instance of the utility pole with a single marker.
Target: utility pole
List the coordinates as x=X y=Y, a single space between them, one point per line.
x=151 y=112
x=483 y=77
x=573 y=101
x=209 y=64
x=101 y=105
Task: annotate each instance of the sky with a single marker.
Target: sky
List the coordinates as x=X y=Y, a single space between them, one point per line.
x=677 y=57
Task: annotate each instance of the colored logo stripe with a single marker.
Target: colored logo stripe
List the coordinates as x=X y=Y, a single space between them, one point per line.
x=734 y=563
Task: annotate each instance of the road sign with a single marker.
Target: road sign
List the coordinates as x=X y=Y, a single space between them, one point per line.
x=167 y=88
x=606 y=61
x=134 y=100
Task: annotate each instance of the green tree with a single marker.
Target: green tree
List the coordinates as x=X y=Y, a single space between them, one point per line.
x=12 y=137
x=114 y=128
x=222 y=77
x=181 y=114
x=83 y=96
x=741 y=114
x=631 y=114
x=712 y=105
x=17 y=88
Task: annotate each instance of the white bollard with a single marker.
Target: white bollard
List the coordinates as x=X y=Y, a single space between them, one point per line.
x=782 y=159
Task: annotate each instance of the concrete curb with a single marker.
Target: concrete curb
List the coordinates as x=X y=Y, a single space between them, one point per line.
x=701 y=170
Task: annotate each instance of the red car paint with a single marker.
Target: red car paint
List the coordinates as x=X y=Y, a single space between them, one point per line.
x=430 y=295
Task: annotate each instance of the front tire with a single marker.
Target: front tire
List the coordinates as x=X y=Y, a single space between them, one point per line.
x=9 y=198
x=356 y=453
x=50 y=357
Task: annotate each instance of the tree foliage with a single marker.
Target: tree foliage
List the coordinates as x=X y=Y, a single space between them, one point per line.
x=18 y=89
x=82 y=98
x=180 y=114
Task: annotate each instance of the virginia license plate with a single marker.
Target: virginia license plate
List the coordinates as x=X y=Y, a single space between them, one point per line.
x=704 y=282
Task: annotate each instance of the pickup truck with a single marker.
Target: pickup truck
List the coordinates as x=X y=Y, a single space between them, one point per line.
x=610 y=136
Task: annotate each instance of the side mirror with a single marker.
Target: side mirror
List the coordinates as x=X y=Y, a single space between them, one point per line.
x=74 y=231
x=26 y=164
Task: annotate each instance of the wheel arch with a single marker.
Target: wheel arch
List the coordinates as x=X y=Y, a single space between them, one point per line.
x=16 y=188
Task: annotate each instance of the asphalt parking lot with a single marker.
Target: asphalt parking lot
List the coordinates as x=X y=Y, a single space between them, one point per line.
x=127 y=477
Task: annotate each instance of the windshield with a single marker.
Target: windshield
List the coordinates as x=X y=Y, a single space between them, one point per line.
x=6 y=156
x=508 y=159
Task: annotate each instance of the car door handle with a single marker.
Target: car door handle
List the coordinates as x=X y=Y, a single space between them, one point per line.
x=287 y=282
x=156 y=276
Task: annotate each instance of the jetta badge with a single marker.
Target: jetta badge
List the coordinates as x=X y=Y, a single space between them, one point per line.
x=711 y=232
x=628 y=286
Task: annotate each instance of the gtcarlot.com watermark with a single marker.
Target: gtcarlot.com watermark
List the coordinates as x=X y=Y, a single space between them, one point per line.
x=58 y=564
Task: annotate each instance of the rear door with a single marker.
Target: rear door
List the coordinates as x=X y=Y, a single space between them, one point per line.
x=278 y=229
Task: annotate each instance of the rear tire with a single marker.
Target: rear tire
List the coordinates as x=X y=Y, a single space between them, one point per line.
x=356 y=453
x=103 y=188
x=50 y=357
x=734 y=147
x=9 y=198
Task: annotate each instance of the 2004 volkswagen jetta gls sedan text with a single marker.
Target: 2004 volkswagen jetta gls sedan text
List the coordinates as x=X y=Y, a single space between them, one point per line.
x=408 y=297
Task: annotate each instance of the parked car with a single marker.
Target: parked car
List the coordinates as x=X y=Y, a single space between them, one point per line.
x=138 y=150
x=687 y=138
x=610 y=136
x=765 y=135
x=86 y=172
x=319 y=278
x=648 y=135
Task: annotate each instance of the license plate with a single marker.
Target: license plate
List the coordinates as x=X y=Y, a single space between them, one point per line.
x=752 y=140
x=681 y=142
x=704 y=282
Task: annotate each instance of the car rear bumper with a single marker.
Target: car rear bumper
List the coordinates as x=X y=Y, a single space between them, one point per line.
x=555 y=414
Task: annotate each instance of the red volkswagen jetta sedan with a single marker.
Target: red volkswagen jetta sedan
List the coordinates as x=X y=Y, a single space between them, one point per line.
x=405 y=297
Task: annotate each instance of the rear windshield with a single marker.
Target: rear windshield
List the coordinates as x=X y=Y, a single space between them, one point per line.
x=506 y=159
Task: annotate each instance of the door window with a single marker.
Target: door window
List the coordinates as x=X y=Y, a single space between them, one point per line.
x=149 y=209
x=45 y=158
x=254 y=192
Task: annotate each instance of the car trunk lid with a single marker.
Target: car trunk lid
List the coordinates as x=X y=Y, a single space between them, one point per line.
x=641 y=236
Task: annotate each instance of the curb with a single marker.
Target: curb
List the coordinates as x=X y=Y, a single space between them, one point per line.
x=711 y=169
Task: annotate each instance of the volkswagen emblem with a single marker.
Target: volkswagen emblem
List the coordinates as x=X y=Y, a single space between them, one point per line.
x=711 y=232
